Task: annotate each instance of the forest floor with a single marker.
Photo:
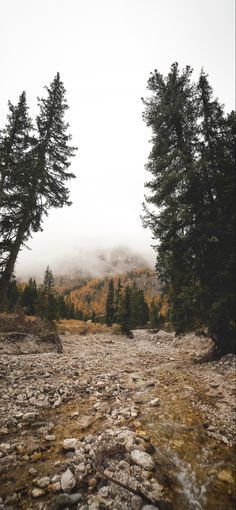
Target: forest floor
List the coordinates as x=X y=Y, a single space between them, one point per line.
x=118 y=423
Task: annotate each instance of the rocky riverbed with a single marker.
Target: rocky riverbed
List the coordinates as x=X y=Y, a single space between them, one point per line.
x=117 y=423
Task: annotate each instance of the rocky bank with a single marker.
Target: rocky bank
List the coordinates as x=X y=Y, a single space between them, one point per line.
x=117 y=423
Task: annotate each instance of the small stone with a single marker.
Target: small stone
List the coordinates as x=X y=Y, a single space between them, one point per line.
x=100 y=384
x=75 y=414
x=4 y=430
x=32 y=471
x=64 y=500
x=155 y=402
x=68 y=481
x=70 y=443
x=88 y=439
x=50 y=437
x=142 y=459
x=43 y=482
x=36 y=493
x=5 y=448
x=54 y=487
x=136 y=503
x=92 y=483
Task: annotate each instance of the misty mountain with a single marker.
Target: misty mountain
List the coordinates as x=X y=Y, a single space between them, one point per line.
x=99 y=263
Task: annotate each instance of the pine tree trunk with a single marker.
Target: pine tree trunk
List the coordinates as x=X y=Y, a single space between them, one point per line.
x=7 y=273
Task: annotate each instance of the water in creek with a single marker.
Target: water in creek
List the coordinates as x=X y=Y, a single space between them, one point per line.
x=195 y=469
x=198 y=470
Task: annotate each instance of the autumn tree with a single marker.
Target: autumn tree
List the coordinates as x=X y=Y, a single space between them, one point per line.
x=34 y=171
x=190 y=202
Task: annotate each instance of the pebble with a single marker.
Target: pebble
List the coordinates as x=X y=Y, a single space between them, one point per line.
x=70 y=443
x=142 y=459
x=155 y=402
x=68 y=481
x=50 y=437
x=64 y=500
x=37 y=493
x=43 y=482
x=5 y=447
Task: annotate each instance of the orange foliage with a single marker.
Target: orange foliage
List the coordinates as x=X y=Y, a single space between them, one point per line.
x=91 y=294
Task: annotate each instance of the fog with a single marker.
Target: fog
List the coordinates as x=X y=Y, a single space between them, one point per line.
x=105 y=52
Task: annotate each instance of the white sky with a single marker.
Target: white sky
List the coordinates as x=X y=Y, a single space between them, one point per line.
x=105 y=51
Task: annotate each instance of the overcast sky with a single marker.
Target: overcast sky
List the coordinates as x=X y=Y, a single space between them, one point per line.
x=105 y=51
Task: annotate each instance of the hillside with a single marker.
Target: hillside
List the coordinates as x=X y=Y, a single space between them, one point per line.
x=89 y=294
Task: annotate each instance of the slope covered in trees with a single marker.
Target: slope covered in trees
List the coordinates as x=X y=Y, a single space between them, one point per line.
x=190 y=203
x=130 y=299
x=90 y=295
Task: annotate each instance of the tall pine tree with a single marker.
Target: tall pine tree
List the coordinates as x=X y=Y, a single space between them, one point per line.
x=191 y=198
x=110 y=309
x=39 y=182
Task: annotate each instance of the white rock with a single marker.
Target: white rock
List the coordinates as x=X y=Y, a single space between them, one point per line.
x=50 y=437
x=5 y=447
x=142 y=459
x=36 y=493
x=43 y=482
x=68 y=481
x=32 y=471
x=155 y=402
x=70 y=443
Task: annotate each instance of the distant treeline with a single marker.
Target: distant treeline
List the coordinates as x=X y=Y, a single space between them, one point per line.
x=125 y=304
x=42 y=300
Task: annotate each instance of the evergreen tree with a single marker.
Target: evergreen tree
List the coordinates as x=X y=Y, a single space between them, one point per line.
x=61 y=306
x=125 y=311
x=15 y=142
x=48 y=303
x=139 y=308
x=40 y=181
x=191 y=197
x=156 y=318
x=110 y=310
x=117 y=300
x=13 y=297
x=30 y=297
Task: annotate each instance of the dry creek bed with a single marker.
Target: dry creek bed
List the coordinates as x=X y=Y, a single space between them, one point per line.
x=117 y=423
